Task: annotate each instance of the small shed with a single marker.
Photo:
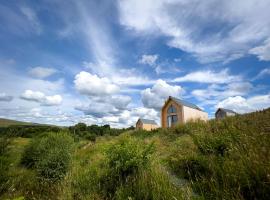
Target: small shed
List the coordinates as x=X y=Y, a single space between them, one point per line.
x=146 y=124
x=221 y=113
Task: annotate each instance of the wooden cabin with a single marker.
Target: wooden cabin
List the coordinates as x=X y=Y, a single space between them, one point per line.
x=221 y=113
x=146 y=124
x=177 y=111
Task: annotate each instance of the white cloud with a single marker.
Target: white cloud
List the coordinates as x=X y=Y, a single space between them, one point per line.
x=263 y=51
x=213 y=93
x=41 y=98
x=208 y=77
x=236 y=27
x=154 y=97
x=149 y=59
x=32 y=18
x=89 y=84
x=243 y=105
x=5 y=97
x=41 y=72
x=263 y=73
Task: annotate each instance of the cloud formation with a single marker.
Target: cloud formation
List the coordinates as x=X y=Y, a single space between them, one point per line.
x=208 y=76
x=149 y=59
x=244 y=105
x=41 y=72
x=154 y=97
x=90 y=84
x=41 y=98
x=210 y=30
x=5 y=97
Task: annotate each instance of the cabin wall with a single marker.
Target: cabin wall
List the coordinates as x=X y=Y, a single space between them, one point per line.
x=149 y=127
x=193 y=114
x=164 y=113
x=139 y=125
x=222 y=114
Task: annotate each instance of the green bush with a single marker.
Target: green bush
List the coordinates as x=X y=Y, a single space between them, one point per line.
x=124 y=159
x=91 y=137
x=49 y=155
x=4 y=163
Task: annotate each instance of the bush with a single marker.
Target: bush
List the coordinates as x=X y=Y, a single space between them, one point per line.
x=91 y=137
x=49 y=155
x=4 y=163
x=124 y=159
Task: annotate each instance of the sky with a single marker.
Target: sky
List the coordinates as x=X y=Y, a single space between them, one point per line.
x=113 y=61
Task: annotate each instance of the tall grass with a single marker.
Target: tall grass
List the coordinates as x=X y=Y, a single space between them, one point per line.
x=224 y=159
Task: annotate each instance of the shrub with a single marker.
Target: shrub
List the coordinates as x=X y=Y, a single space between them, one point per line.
x=4 y=163
x=91 y=137
x=49 y=155
x=124 y=159
x=213 y=144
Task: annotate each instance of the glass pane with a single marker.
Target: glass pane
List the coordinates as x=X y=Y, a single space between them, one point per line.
x=171 y=109
x=174 y=118
x=169 y=121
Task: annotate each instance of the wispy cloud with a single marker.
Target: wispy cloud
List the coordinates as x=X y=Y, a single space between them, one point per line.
x=41 y=72
x=210 y=30
x=208 y=76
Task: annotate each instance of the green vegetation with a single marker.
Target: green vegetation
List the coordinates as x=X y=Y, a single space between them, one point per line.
x=9 y=122
x=225 y=159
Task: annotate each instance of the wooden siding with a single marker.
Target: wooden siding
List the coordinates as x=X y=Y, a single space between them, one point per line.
x=164 y=114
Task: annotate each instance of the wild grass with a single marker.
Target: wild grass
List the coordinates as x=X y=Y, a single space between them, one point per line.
x=225 y=159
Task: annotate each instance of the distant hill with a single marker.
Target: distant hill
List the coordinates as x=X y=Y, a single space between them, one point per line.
x=9 y=122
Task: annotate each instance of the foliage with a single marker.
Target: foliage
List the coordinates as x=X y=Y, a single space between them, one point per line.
x=27 y=131
x=4 y=163
x=218 y=159
x=81 y=130
x=124 y=159
x=49 y=155
x=231 y=160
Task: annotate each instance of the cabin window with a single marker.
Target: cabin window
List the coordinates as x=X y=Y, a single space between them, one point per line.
x=171 y=120
x=171 y=109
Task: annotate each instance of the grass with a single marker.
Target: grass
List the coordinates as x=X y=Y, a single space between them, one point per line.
x=226 y=159
x=9 y=122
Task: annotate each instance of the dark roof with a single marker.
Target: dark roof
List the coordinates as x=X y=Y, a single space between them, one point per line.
x=185 y=103
x=226 y=110
x=148 y=121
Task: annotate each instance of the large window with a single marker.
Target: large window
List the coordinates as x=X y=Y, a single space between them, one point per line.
x=171 y=120
x=171 y=109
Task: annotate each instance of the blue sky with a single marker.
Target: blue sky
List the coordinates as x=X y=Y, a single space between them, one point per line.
x=109 y=61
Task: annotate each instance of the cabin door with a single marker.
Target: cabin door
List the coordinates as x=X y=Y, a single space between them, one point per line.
x=169 y=121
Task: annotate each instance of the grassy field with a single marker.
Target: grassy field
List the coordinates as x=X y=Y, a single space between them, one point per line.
x=9 y=122
x=226 y=159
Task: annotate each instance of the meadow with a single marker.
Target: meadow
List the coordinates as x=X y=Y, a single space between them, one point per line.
x=218 y=159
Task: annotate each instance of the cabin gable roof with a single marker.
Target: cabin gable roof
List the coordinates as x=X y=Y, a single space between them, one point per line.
x=147 y=121
x=182 y=102
x=225 y=110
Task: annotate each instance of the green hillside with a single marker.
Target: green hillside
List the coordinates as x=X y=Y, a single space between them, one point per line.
x=9 y=122
x=225 y=159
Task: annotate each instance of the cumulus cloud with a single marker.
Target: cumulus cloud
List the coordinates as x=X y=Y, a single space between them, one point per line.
x=216 y=92
x=243 y=105
x=90 y=84
x=208 y=76
x=41 y=72
x=237 y=27
x=149 y=59
x=41 y=98
x=5 y=97
x=154 y=97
